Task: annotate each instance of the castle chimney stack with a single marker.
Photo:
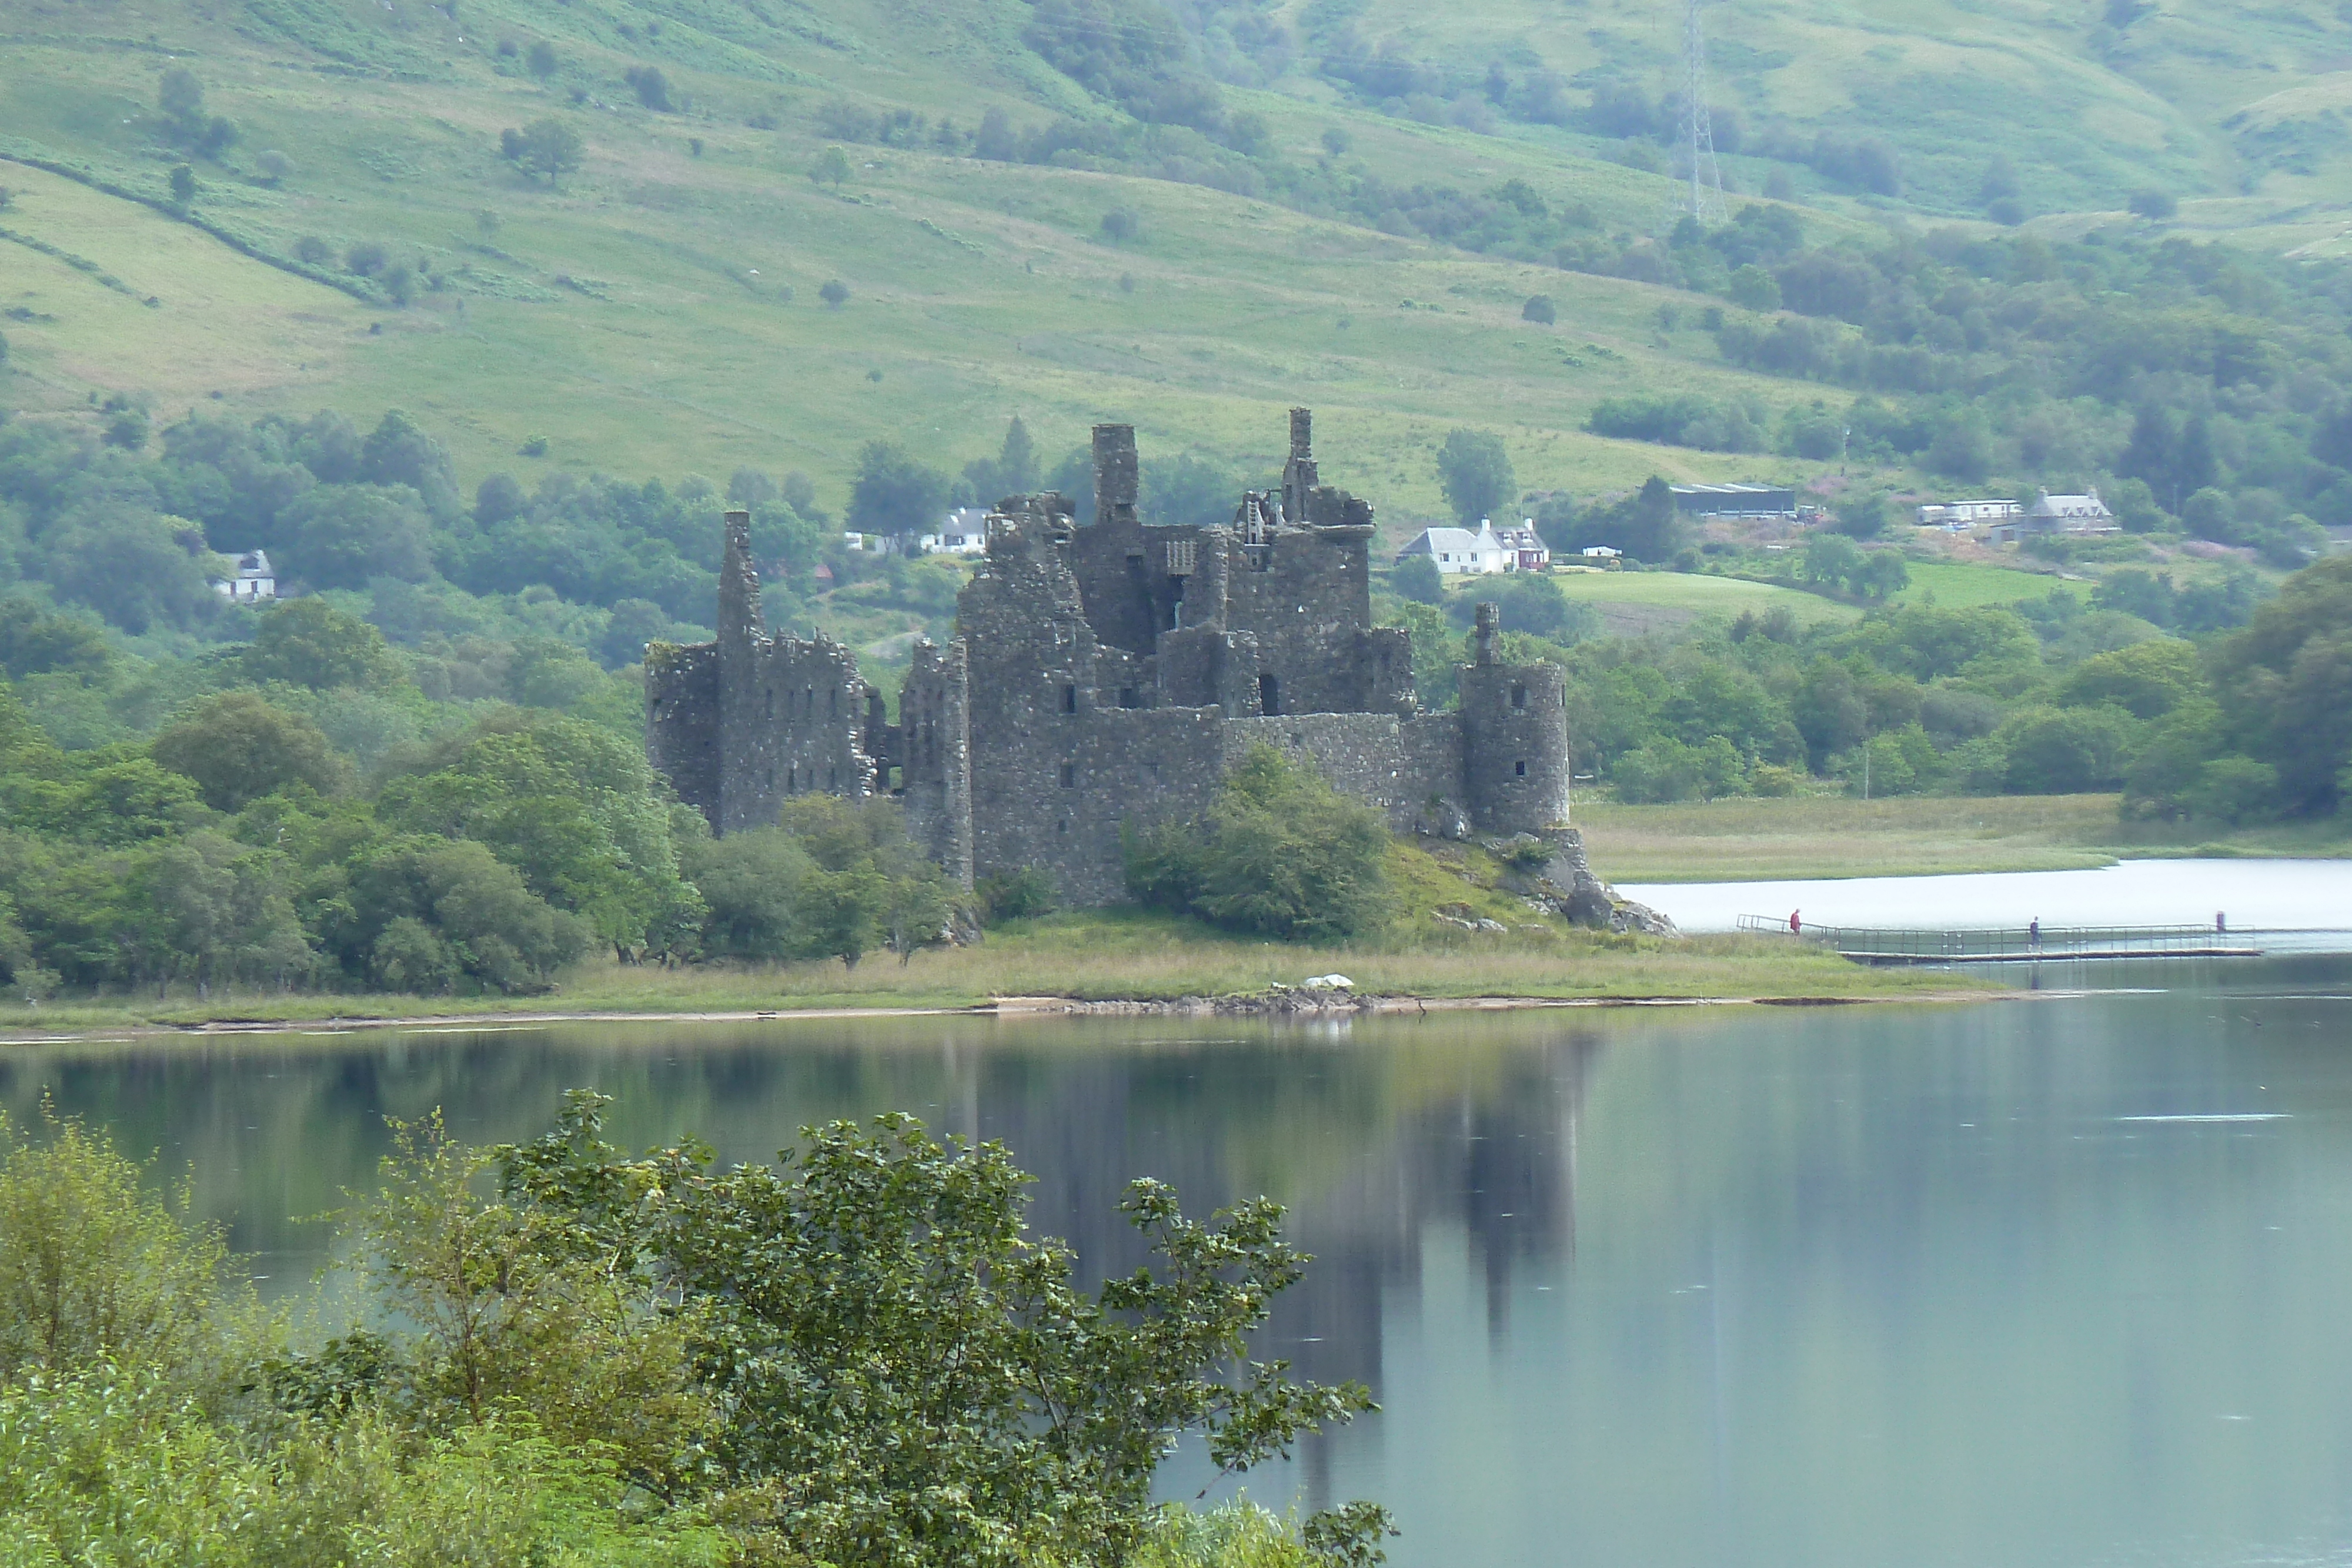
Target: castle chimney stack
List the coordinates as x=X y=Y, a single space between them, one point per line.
x=1298 y=474
x=1115 y=475
x=738 y=584
x=1483 y=642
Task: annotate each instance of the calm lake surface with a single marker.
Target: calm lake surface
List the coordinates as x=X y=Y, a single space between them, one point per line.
x=2062 y=1280
x=2283 y=894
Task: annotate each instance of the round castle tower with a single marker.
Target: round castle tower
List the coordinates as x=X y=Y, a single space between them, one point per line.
x=1514 y=756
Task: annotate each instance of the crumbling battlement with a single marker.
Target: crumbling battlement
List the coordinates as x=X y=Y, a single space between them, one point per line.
x=1110 y=674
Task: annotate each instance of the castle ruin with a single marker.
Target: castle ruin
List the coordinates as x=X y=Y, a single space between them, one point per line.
x=1109 y=673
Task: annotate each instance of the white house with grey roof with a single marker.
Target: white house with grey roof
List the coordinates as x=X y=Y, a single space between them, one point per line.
x=1456 y=551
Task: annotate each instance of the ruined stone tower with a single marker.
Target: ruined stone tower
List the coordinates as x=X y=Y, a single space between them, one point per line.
x=1111 y=673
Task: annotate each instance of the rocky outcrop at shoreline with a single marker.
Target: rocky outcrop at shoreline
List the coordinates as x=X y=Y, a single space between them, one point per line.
x=1566 y=884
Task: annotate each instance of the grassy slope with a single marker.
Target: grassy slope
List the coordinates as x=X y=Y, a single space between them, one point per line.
x=2223 y=104
x=1633 y=603
x=1636 y=603
x=977 y=289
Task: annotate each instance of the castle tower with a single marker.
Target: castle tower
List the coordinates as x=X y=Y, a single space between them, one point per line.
x=1515 y=751
x=742 y=629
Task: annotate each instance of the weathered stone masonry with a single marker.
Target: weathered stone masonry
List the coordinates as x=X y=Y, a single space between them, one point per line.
x=1110 y=673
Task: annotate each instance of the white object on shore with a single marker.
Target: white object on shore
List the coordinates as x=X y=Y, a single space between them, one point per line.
x=1327 y=983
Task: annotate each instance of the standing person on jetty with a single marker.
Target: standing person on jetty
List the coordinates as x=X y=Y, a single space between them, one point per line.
x=2033 y=935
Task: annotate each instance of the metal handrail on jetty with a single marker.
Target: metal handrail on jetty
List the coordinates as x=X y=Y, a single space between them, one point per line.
x=2023 y=944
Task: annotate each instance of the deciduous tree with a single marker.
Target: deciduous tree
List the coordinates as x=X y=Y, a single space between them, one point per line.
x=1474 y=469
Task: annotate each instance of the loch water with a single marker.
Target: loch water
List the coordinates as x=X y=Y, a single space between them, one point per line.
x=2065 y=1279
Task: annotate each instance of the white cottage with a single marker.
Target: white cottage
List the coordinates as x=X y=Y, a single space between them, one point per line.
x=964 y=531
x=1456 y=551
x=253 y=580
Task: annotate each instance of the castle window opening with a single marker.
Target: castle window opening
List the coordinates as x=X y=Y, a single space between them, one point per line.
x=772 y=702
x=1270 y=696
x=1069 y=775
x=1069 y=699
x=1519 y=696
x=792 y=780
x=832 y=703
x=1519 y=768
x=832 y=777
x=1126 y=697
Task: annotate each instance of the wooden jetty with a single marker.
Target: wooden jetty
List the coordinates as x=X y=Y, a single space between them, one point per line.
x=2023 y=944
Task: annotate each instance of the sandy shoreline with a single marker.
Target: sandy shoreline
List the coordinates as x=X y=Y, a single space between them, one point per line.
x=1290 y=1005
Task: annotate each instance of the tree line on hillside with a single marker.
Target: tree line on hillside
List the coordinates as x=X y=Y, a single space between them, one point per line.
x=239 y=846
x=457 y=664
x=132 y=524
x=2204 y=702
x=2197 y=387
x=568 y=1354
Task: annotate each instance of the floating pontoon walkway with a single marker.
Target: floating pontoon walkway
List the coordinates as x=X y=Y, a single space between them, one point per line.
x=1866 y=945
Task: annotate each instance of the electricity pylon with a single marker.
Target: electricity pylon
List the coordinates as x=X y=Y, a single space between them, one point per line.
x=1695 y=134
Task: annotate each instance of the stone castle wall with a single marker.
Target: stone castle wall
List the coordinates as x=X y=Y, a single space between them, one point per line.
x=682 y=721
x=1106 y=677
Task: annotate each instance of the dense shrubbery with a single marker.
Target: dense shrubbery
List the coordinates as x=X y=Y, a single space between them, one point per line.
x=2047 y=695
x=1683 y=421
x=1280 y=853
x=484 y=848
x=854 y=1356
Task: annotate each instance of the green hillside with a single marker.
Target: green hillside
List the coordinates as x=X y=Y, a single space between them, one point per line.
x=658 y=310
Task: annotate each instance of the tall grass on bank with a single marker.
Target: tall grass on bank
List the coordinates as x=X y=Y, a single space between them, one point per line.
x=1094 y=956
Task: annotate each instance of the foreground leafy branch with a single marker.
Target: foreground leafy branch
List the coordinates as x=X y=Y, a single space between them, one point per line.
x=899 y=1374
x=852 y=1356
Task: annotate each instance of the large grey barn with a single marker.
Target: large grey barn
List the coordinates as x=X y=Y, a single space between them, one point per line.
x=1107 y=672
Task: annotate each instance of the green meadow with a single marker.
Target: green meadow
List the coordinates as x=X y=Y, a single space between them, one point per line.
x=657 y=311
